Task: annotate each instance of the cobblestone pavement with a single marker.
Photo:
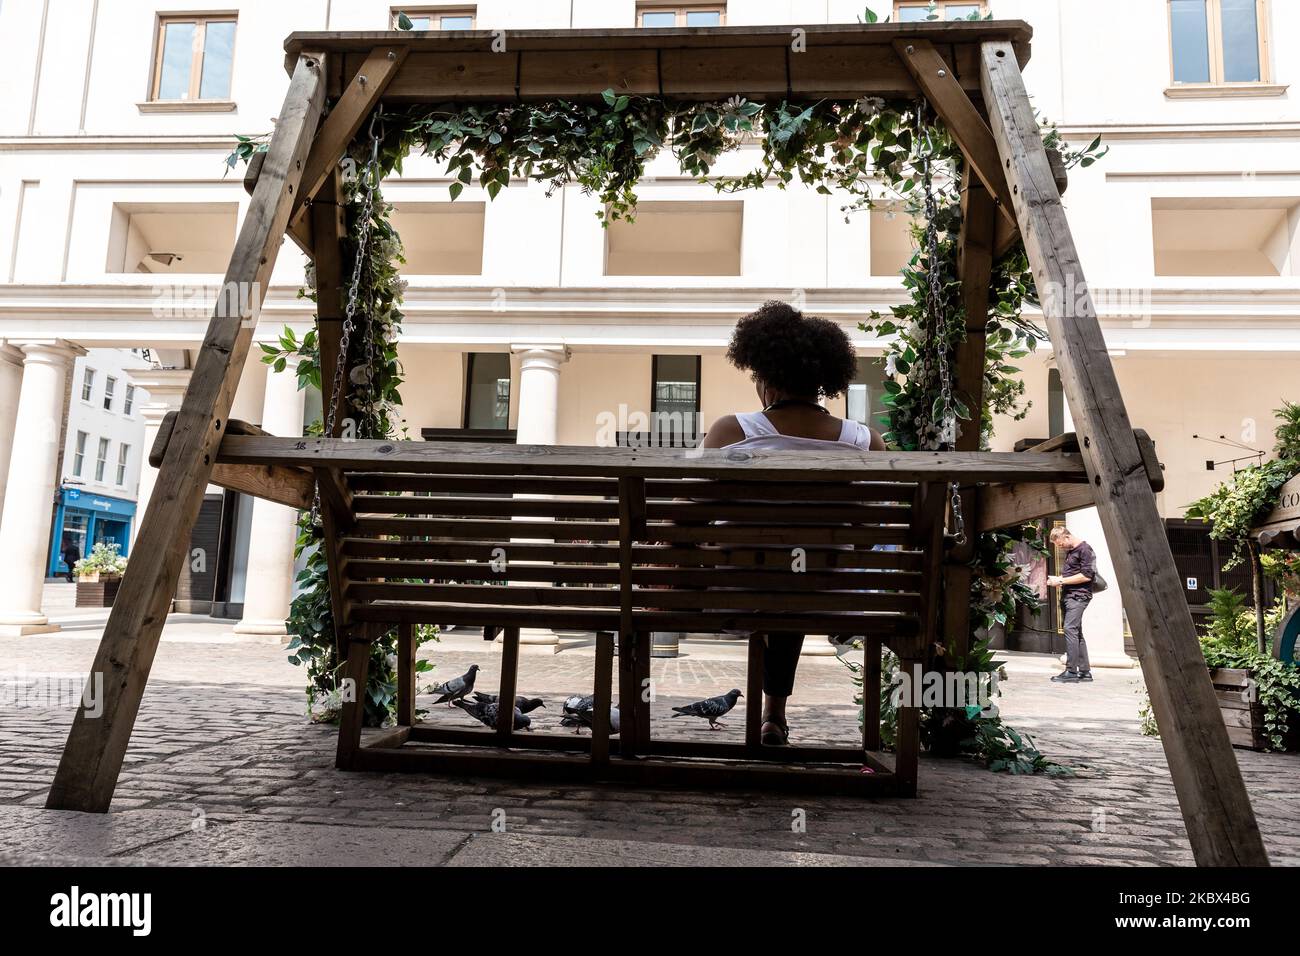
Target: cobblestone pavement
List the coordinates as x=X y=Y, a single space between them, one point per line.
x=223 y=768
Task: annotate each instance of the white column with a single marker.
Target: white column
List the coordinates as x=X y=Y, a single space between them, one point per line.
x=269 y=590
x=539 y=392
x=11 y=380
x=31 y=486
x=538 y=424
x=166 y=390
x=1103 y=622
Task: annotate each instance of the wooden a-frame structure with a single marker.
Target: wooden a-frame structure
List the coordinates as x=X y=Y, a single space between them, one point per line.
x=970 y=73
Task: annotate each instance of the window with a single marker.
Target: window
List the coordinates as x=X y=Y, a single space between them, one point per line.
x=194 y=58
x=864 y=400
x=79 y=457
x=679 y=15
x=915 y=11
x=675 y=399
x=123 y=450
x=87 y=383
x=1055 y=404
x=451 y=18
x=1218 y=42
x=677 y=238
x=110 y=386
x=487 y=390
x=1226 y=236
x=129 y=402
x=101 y=459
x=441 y=238
x=891 y=245
x=171 y=237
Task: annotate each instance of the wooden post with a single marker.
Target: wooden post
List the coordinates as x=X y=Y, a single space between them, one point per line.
x=509 y=681
x=407 y=649
x=602 y=691
x=92 y=758
x=975 y=265
x=754 y=691
x=871 y=694
x=328 y=229
x=1216 y=808
x=352 y=714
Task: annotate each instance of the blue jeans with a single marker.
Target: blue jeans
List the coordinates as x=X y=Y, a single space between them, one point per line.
x=1076 y=648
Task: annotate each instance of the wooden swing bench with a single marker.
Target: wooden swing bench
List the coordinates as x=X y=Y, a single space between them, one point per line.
x=625 y=542
x=614 y=540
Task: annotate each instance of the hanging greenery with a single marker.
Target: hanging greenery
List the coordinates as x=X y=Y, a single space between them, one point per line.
x=1240 y=504
x=866 y=151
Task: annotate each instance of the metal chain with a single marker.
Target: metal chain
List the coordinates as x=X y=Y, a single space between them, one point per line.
x=946 y=427
x=370 y=182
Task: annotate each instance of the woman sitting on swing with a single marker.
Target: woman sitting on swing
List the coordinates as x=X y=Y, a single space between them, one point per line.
x=794 y=360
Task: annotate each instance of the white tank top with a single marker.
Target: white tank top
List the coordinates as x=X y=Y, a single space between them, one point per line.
x=761 y=435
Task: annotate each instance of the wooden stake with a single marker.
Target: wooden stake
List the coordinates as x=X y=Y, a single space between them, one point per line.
x=88 y=770
x=1216 y=808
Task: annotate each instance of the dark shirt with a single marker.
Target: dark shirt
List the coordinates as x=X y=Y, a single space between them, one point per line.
x=1080 y=560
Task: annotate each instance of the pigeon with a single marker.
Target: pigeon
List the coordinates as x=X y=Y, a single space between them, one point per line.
x=579 y=713
x=486 y=714
x=712 y=709
x=525 y=704
x=456 y=688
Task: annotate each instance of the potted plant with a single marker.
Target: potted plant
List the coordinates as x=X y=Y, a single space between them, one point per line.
x=99 y=574
x=1259 y=696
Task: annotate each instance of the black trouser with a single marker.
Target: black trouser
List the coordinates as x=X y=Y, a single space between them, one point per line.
x=780 y=662
x=1073 y=604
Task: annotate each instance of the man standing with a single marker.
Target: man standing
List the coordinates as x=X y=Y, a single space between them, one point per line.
x=1075 y=582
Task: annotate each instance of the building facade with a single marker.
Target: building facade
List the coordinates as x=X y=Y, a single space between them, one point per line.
x=102 y=454
x=524 y=315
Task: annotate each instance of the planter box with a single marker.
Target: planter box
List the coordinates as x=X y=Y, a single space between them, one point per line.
x=98 y=593
x=1244 y=718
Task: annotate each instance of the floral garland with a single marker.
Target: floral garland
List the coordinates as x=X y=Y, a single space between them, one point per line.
x=865 y=150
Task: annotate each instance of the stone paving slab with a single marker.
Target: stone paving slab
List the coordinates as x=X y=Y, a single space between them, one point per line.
x=222 y=730
x=508 y=849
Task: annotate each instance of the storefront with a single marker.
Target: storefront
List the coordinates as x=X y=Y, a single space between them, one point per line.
x=83 y=519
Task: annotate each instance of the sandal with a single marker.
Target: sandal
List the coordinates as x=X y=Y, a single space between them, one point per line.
x=777 y=737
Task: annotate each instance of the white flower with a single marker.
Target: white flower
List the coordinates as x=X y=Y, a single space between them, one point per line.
x=891 y=364
x=870 y=105
x=734 y=104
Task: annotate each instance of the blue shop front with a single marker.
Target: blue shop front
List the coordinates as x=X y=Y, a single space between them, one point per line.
x=82 y=520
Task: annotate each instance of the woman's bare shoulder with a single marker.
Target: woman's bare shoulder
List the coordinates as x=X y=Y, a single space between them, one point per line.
x=725 y=431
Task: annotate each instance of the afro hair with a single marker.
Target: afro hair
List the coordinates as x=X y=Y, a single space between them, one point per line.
x=794 y=353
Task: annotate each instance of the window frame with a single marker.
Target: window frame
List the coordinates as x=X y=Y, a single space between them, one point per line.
x=456 y=10
x=941 y=5
x=123 y=453
x=101 y=459
x=87 y=384
x=680 y=10
x=79 y=453
x=200 y=19
x=128 y=403
x=1214 y=40
x=469 y=384
x=110 y=389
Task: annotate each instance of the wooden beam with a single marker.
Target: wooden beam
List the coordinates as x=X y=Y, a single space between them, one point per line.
x=293 y=487
x=328 y=230
x=1216 y=808
x=345 y=120
x=88 y=770
x=1002 y=506
x=936 y=79
x=452 y=458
